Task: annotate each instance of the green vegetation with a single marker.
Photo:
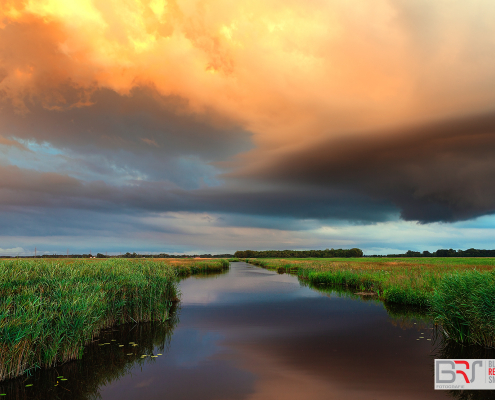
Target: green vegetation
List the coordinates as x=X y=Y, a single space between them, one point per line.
x=125 y=255
x=464 y=304
x=466 y=262
x=327 y=253
x=184 y=268
x=458 y=293
x=447 y=253
x=50 y=309
x=101 y=364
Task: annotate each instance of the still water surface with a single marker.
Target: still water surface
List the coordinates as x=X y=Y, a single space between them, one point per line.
x=254 y=334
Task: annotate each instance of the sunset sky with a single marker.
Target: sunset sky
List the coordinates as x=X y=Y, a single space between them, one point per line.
x=186 y=126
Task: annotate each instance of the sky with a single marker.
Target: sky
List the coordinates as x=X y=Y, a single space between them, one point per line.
x=209 y=126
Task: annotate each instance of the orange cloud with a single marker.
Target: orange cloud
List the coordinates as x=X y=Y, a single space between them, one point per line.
x=151 y=142
x=289 y=71
x=14 y=143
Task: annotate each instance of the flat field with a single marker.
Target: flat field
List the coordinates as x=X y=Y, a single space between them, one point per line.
x=49 y=309
x=485 y=262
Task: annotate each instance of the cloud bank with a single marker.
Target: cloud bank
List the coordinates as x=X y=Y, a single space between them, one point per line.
x=432 y=172
x=342 y=112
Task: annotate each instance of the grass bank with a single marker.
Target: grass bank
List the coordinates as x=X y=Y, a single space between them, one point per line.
x=458 y=293
x=101 y=364
x=50 y=309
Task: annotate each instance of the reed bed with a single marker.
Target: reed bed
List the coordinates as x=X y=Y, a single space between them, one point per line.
x=402 y=282
x=50 y=309
x=101 y=364
x=464 y=304
x=458 y=293
x=185 y=268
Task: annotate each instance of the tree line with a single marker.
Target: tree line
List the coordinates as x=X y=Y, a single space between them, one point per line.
x=327 y=253
x=126 y=255
x=447 y=253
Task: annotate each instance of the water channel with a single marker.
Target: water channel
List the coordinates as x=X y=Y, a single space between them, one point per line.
x=254 y=334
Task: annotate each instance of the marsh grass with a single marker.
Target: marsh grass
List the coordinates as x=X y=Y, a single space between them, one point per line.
x=464 y=304
x=50 y=309
x=458 y=293
x=99 y=366
x=185 y=268
x=403 y=283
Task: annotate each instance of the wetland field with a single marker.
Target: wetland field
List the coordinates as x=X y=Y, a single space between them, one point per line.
x=261 y=329
x=50 y=309
x=458 y=293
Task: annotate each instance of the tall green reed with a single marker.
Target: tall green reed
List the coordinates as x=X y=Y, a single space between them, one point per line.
x=459 y=297
x=464 y=304
x=50 y=309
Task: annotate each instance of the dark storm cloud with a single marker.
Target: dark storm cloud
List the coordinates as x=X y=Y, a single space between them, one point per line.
x=26 y=188
x=150 y=134
x=142 y=131
x=437 y=172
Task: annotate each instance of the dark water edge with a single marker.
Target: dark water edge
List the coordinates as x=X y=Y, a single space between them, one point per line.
x=101 y=363
x=255 y=334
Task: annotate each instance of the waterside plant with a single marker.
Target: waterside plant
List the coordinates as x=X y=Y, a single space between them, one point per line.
x=114 y=354
x=49 y=310
x=459 y=295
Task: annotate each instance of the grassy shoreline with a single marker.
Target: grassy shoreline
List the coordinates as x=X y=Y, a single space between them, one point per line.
x=50 y=309
x=459 y=294
x=100 y=365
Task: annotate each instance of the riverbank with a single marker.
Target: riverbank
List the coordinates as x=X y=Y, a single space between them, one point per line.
x=458 y=293
x=250 y=333
x=50 y=309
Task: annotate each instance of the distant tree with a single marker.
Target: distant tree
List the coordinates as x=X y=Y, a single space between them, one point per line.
x=355 y=252
x=442 y=253
x=131 y=255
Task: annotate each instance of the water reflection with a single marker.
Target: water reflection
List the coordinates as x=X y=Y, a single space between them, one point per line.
x=258 y=335
x=400 y=315
x=299 y=343
x=101 y=363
